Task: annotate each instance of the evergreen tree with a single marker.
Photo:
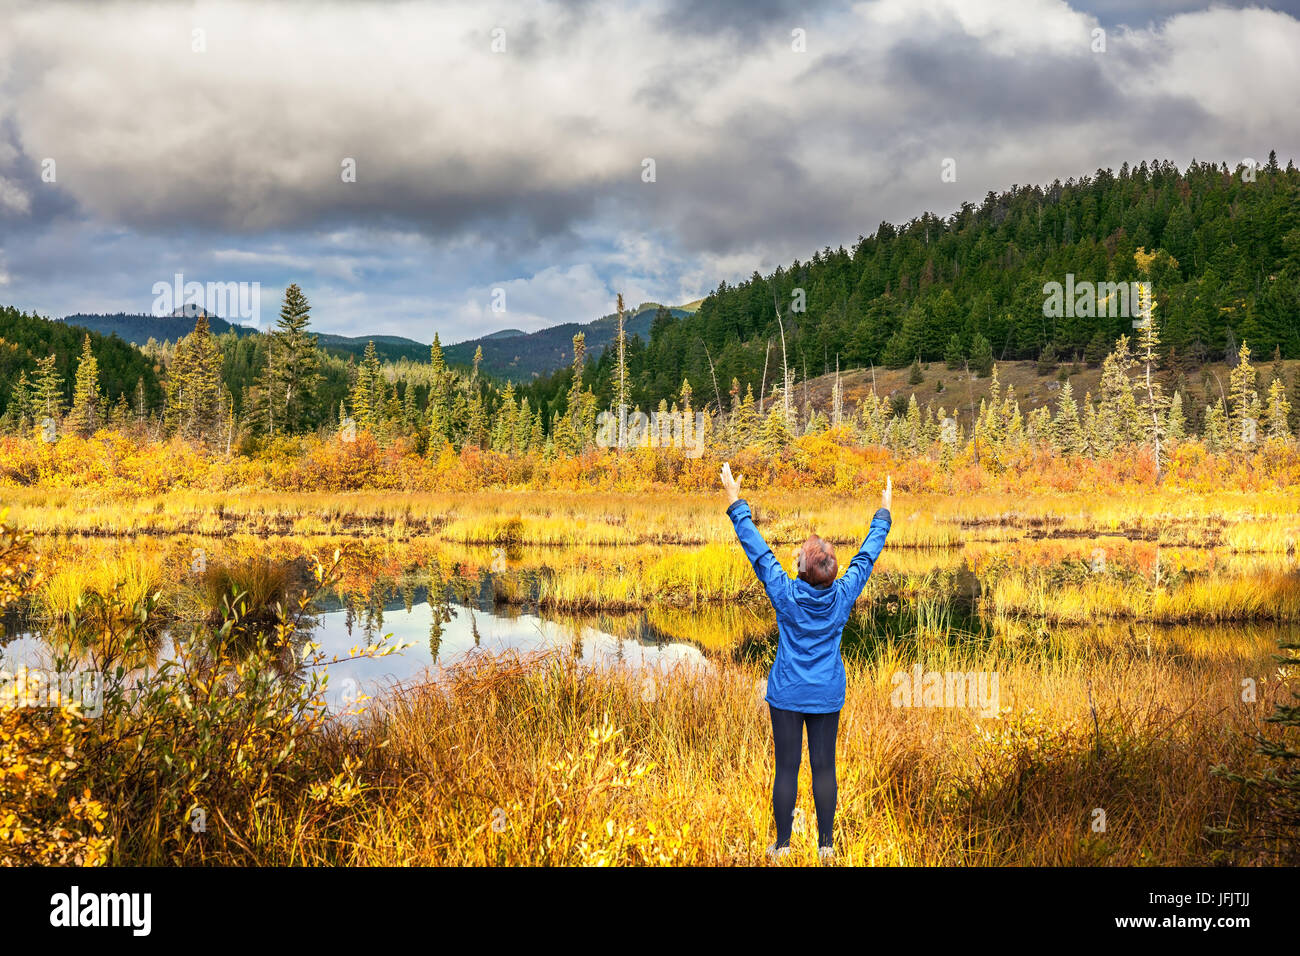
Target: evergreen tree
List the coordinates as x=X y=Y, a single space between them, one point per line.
x=194 y=406
x=1118 y=420
x=1155 y=414
x=1244 y=400
x=1176 y=421
x=47 y=393
x=289 y=379
x=1278 y=413
x=953 y=355
x=503 y=430
x=775 y=434
x=19 y=415
x=1068 y=433
x=87 y=401
x=369 y=394
x=1214 y=432
x=440 y=414
x=981 y=356
x=744 y=421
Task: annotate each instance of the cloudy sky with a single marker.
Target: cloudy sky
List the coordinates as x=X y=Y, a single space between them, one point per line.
x=505 y=146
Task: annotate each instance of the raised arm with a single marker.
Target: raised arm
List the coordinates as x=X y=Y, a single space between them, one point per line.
x=859 y=569
x=770 y=573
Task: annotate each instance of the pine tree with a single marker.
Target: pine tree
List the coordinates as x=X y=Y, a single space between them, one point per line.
x=687 y=415
x=523 y=425
x=775 y=434
x=369 y=394
x=289 y=379
x=576 y=428
x=1089 y=425
x=1118 y=420
x=916 y=376
x=1244 y=400
x=410 y=411
x=87 y=400
x=440 y=419
x=47 y=392
x=1278 y=413
x=912 y=433
x=744 y=421
x=194 y=405
x=620 y=379
x=503 y=431
x=20 y=413
x=1294 y=419
x=1176 y=421
x=1157 y=405
x=1068 y=433
x=953 y=355
x=476 y=425
x=537 y=434
x=981 y=356
x=1215 y=430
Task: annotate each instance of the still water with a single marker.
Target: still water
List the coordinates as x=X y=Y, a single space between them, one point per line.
x=437 y=637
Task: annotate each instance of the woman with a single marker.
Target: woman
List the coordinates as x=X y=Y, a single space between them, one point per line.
x=806 y=684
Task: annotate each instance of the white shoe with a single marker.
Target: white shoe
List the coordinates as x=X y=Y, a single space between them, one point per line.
x=777 y=854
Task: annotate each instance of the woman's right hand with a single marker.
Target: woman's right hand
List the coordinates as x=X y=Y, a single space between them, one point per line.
x=730 y=485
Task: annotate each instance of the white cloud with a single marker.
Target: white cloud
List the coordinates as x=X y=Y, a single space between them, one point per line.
x=473 y=165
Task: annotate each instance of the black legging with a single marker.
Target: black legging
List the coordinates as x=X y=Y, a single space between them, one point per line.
x=787 y=735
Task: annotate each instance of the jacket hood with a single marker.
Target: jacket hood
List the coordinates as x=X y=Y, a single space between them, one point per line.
x=806 y=595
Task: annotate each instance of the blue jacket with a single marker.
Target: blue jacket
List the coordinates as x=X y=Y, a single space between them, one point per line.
x=808 y=673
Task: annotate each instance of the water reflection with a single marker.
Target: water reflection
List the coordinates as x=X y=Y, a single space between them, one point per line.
x=444 y=634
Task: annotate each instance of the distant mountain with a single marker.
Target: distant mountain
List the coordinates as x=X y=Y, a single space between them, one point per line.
x=521 y=356
x=507 y=354
x=139 y=329
x=388 y=347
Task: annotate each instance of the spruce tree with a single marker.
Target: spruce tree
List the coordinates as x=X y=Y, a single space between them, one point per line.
x=289 y=379
x=1068 y=433
x=775 y=434
x=87 y=401
x=981 y=356
x=1214 y=432
x=953 y=355
x=194 y=406
x=19 y=413
x=1277 y=413
x=1176 y=421
x=439 y=414
x=1244 y=401
x=47 y=392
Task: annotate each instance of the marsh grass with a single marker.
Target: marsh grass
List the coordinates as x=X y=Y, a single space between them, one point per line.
x=535 y=761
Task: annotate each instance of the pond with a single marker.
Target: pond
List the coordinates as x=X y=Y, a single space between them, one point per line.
x=447 y=609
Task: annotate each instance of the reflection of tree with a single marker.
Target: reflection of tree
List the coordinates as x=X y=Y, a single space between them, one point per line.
x=440 y=611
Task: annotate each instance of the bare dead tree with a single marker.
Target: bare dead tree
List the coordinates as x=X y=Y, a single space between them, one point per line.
x=785 y=360
x=716 y=394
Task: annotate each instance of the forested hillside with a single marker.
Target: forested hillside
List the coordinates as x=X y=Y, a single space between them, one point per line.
x=1221 y=250
x=25 y=340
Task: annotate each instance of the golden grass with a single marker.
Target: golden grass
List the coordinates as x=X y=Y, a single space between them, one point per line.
x=519 y=763
x=1237 y=521
x=133 y=576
